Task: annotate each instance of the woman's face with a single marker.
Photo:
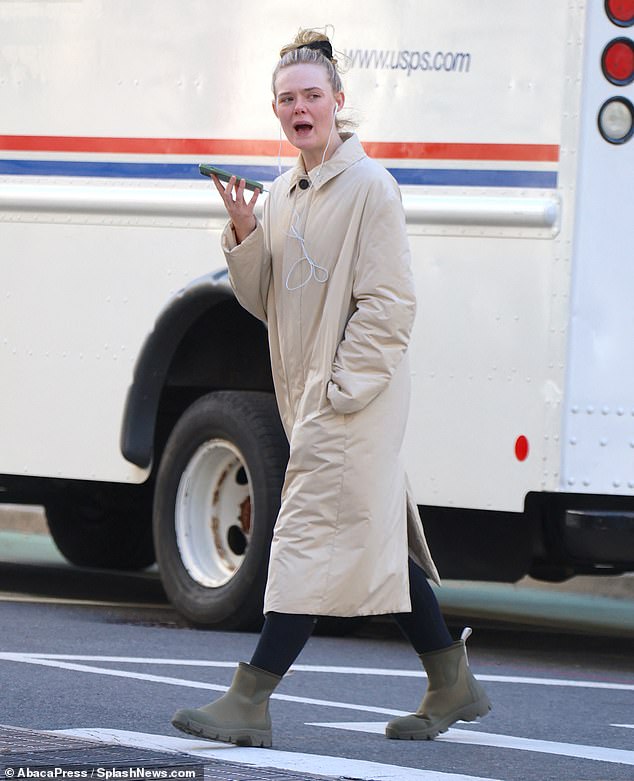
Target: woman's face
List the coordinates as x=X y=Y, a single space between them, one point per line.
x=305 y=105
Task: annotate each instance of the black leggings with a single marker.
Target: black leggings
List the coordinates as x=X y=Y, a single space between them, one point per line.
x=424 y=627
x=284 y=635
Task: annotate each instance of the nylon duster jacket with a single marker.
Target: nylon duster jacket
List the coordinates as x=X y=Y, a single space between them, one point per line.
x=328 y=270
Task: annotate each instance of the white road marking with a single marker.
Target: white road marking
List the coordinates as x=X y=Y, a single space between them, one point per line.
x=312 y=668
x=473 y=738
x=336 y=767
x=28 y=659
x=464 y=736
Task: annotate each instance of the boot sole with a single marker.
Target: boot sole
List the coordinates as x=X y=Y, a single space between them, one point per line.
x=239 y=737
x=476 y=710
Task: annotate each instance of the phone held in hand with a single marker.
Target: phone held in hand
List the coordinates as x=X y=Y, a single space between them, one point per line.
x=224 y=176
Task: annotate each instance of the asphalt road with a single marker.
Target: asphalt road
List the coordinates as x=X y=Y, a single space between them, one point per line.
x=563 y=708
x=92 y=654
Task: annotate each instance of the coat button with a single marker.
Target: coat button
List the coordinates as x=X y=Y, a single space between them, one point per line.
x=304 y=184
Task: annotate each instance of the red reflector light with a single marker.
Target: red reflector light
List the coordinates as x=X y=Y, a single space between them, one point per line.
x=521 y=448
x=621 y=12
x=617 y=61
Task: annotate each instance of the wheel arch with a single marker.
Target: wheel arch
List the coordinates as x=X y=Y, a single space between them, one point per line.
x=202 y=340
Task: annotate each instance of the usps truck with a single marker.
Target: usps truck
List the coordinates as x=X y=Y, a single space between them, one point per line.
x=136 y=398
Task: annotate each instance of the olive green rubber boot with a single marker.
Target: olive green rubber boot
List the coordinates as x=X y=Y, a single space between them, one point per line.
x=240 y=716
x=453 y=694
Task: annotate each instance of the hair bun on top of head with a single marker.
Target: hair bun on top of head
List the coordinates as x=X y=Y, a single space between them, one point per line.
x=322 y=46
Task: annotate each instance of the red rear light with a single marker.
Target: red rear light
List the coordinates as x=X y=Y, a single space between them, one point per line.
x=621 y=12
x=617 y=61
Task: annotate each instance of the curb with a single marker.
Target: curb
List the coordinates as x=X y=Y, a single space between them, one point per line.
x=538 y=608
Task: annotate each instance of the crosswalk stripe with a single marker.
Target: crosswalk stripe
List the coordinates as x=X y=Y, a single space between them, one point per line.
x=494 y=740
x=312 y=668
x=327 y=766
x=27 y=659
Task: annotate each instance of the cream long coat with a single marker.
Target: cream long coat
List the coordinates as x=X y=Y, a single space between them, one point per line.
x=339 y=325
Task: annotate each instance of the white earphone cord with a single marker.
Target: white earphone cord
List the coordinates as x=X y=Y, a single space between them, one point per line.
x=317 y=272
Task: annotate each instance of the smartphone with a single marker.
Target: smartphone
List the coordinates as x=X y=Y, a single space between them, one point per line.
x=224 y=176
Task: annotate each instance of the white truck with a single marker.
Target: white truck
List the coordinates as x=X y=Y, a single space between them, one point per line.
x=135 y=394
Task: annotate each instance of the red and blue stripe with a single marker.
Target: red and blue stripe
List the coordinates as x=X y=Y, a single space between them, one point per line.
x=492 y=173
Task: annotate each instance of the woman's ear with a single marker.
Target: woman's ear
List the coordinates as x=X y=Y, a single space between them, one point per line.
x=340 y=100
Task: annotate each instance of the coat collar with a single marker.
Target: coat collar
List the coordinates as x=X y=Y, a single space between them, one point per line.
x=347 y=154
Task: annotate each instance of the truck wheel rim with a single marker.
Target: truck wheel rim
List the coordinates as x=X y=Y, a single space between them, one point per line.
x=213 y=514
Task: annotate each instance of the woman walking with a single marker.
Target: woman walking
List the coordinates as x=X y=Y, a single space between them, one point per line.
x=328 y=270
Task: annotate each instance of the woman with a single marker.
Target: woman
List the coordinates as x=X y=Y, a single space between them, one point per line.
x=328 y=270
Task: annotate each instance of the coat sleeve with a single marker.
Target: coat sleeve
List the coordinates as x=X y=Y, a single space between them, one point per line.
x=378 y=331
x=249 y=269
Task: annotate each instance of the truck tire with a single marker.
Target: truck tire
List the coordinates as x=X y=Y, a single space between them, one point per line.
x=216 y=500
x=105 y=526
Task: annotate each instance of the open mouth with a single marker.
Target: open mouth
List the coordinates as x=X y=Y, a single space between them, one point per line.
x=302 y=128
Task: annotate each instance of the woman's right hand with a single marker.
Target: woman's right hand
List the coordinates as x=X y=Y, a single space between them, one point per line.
x=239 y=210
